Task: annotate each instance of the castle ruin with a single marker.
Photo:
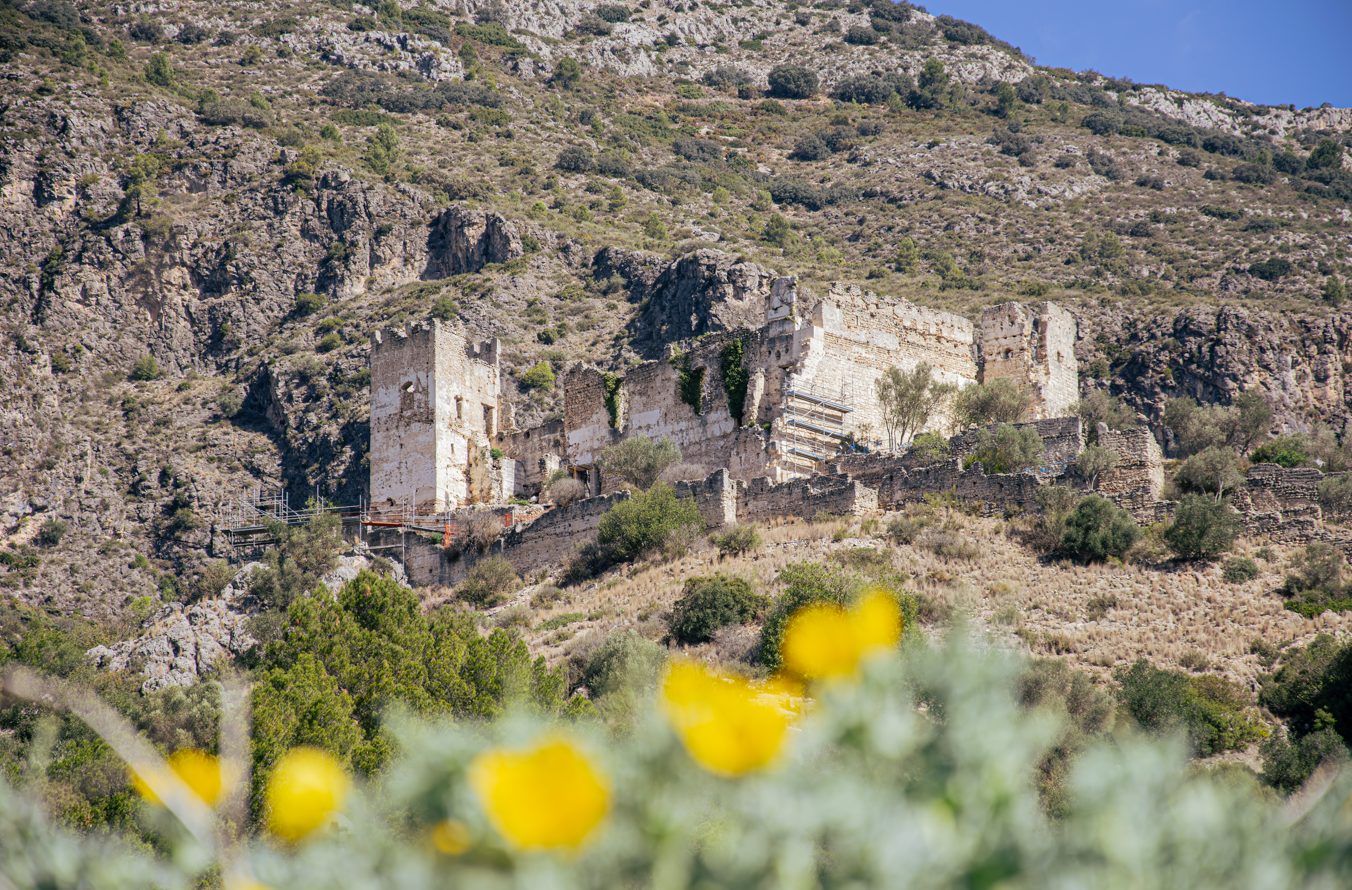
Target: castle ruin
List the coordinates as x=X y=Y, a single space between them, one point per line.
x=774 y=402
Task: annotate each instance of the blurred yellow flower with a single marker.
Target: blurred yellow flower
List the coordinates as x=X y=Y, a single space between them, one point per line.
x=238 y=882
x=729 y=726
x=823 y=641
x=450 y=836
x=306 y=788
x=203 y=773
x=547 y=797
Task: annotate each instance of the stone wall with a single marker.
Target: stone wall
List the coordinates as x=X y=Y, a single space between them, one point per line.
x=761 y=499
x=1281 y=504
x=715 y=496
x=538 y=452
x=1137 y=482
x=1033 y=345
x=993 y=494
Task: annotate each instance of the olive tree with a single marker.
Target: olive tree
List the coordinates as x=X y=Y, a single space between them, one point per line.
x=908 y=400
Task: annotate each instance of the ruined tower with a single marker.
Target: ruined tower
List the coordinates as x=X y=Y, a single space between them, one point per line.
x=1033 y=345
x=435 y=411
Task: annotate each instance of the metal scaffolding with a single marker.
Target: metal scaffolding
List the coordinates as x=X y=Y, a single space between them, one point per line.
x=815 y=425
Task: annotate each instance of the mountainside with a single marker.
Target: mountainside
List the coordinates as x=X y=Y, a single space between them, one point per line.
x=206 y=208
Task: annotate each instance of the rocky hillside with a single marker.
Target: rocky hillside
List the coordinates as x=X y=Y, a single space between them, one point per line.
x=205 y=208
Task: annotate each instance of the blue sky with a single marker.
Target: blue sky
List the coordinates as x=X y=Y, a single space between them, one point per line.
x=1297 y=51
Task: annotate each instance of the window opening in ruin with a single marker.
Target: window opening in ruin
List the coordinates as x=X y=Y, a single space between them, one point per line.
x=459 y=408
x=488 y=420
x=1009 y=354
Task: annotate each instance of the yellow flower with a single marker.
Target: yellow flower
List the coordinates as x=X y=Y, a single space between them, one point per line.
x=824 y=641
x=450 y=836
x=306 y=788
x=200 y=771
x=547 y=797
x=729 y=726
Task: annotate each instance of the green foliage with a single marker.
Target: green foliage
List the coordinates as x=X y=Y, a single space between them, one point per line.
x=620 y=676
x=341 y=662
x=1334 y=291
x=690 y=384
x=909 y=399
x=1215 y=470
x=309 y=303
x=778 y=230
x=540 y=376
x=159 y=71
x=930 y=447
x=1203 y=528
x=567 y=73
x=488 y=582
x=1270 y=269
x=1085 y=712
x=1211 y=711
x=1315 y=583
x=489 y=34
x=1006 y=449
x=303 y=554
x=639 y=460
x=445 y=309
x=1000 y=401
x=907 y=256
x=1006 y=99
x=1239 y=425
x=792 y=82
x=736 y=376
x=1327 y=155
x=709 y=602
x=933 y=89
x=1284 y=451
x=1239 y=569
x=50 y=533
x=611 y=383
x=1288 y=763
x=1312 y=689
x=1335 y=493
x=737 y=540
x=1093 y=462
x=384 y=151
x=646 y=523
x=575 y=159
x=1097 y=529
x=146 y=368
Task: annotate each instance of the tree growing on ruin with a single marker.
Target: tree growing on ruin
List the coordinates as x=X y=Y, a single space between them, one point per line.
x=1214 y=471
x=1000 y=401
x=1101 y=406
x=1239 y=425
x=1006 y=449
x=1093 y=462
x=909 y=399
x=639 y=460
x=1203 y=528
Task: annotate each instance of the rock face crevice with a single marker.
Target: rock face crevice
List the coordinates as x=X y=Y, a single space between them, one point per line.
x=461 y=240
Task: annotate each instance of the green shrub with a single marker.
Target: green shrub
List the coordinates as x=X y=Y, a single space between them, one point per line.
x=1239 y=569
x=329 y=342
x=540 y=376
x=1203 y=528
x=1288 y=763
x=638 y=460
x=1312 y=689
x=50 y=533
x=1316 y=582
x=792 y=82
x=624 y=663
x=1270 y=269
x=309 y=304
x=488 y=582
x=1211 y=710
x=567 y=73
x=644 y=524
x=737 y=540
x=1006 y=449
x=710 y=602
x=1215 y=471
x=1000 y=401
x=445 y=309
x=159 y=71
x=1097 y=529
x=146 y=368
x=575 y=159
x=1284 y=451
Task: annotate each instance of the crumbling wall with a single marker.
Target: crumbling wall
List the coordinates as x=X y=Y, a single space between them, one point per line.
x=1034 y=345
x=1137 y=482
x=993 y=493
x=715 y=496
x=1281 y=504
x=538 y=452
x=761 y=499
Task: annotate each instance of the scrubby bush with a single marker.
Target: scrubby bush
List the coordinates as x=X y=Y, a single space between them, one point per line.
x=146 y=368
x=1100 y=406
x=639 y=460
x=1212 y=711
x=726 y=77
x=1288 y=763
x=1270 y=269
x=309 y=303
x=1239 y=569
x=737 y=540
x=1312 y=688
x=1284 y=451
x=1093 y=462
x=810 y=148
x=1335 y=493
x=649 y=522
x=1316 y=582
x=803 y=583
x=575 y=159
x=870 y=89
x=1203 y=528
x=1000 y=401
x=933 y=89
x=488 y=582
x=1006 y=449
x=710 y=602
x=861 y=35
x=1097 y=529
x=540 y=376
x=1237 y=425
x=792 y=82
x=1215 y=471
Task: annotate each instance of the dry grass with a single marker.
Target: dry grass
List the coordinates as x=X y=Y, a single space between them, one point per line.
x=1097 y=617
